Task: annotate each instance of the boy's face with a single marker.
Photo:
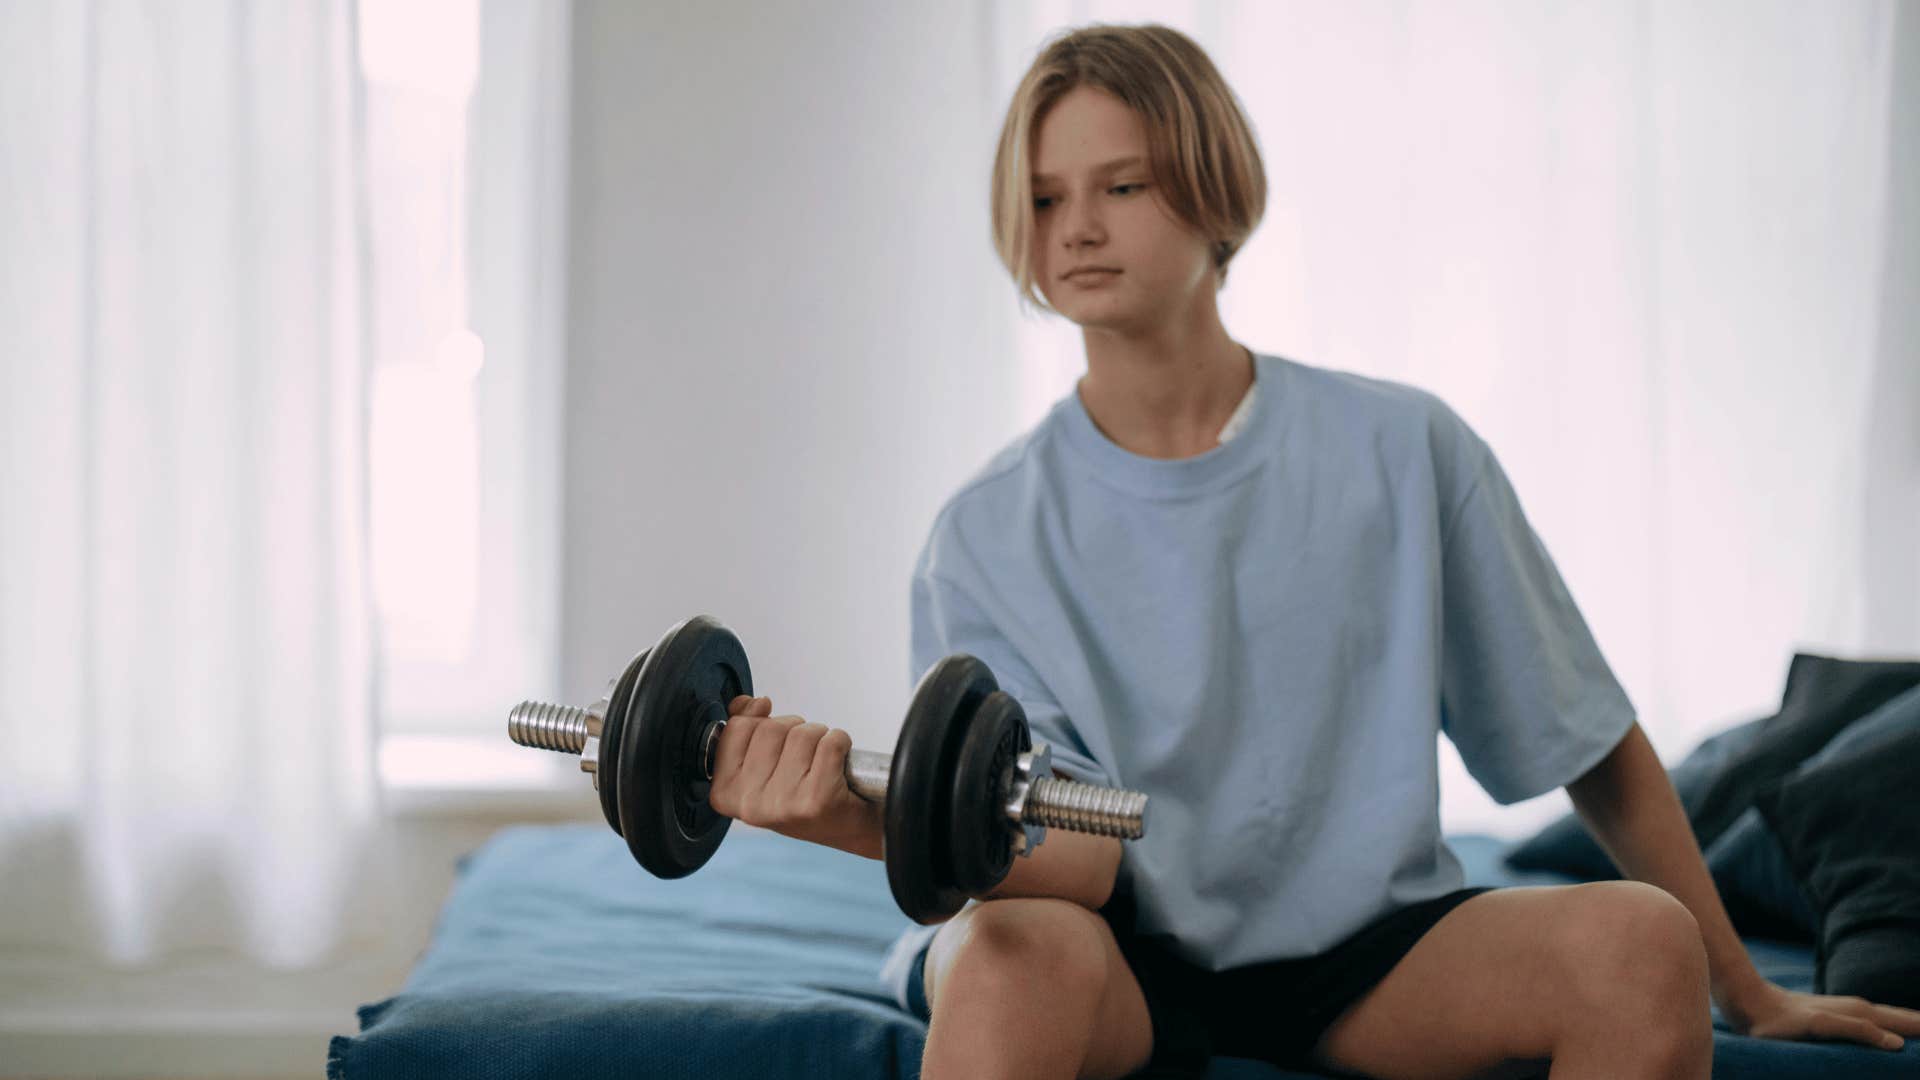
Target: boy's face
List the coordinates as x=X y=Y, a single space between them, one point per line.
x=1086 y=214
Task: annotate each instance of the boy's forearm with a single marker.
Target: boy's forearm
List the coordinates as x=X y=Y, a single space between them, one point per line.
x=1629 y=804
x=1067 y=866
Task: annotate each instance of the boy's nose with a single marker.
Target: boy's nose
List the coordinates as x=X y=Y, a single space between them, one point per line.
x=1083 y=229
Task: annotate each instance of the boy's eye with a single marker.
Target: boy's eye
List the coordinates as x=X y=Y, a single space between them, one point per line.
x=1045 y=201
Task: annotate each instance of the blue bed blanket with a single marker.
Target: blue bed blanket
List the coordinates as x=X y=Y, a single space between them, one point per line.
x=557 y=956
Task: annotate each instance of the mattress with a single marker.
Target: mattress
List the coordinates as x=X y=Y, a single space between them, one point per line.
x=555 y=955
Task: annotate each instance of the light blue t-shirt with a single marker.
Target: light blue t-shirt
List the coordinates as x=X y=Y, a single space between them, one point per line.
x=1268 y=639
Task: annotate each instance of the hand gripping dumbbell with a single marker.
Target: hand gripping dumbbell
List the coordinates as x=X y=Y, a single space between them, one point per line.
x=965 y=790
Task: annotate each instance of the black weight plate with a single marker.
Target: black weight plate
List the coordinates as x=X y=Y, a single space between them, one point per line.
x=690 y=676
x=608 y=768
x=920 y=787
x=979 y=835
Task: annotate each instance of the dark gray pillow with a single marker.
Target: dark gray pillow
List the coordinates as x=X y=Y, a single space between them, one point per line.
x=1756 y=883
x=1823 y=695
x=1851 y=830
x=1750 y=867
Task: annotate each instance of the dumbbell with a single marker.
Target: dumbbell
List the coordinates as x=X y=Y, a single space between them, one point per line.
x=965 y=792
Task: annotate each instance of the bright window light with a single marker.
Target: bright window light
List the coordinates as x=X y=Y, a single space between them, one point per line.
x=465 y=137
x=431 y=46
x=426 y=505
x=420 y=59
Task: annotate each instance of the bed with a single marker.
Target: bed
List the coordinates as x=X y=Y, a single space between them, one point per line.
x=555 y=955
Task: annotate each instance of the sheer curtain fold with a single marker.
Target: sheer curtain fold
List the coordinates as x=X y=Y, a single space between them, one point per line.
x=185 y=631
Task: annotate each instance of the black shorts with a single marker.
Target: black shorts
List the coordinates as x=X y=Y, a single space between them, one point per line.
x=1273 y=1012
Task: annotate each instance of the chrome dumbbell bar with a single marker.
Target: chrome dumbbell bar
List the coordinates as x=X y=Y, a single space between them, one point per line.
x=1035 y=797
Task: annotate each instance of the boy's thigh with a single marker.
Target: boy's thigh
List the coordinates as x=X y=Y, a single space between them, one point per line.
x=1508 y=976
x=1047 y=937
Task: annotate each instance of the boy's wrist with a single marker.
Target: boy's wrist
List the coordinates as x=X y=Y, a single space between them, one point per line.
x=863 y=834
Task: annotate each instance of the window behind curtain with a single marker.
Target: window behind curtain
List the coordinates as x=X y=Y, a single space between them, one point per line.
x=466 y=149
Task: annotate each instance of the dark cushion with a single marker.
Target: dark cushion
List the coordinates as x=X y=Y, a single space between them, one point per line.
x=1757 y=884
x=1823 y=695
x=1851 y=830
x=1750 y=867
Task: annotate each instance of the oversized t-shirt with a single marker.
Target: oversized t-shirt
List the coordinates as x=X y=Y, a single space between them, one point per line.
x=1268 y=639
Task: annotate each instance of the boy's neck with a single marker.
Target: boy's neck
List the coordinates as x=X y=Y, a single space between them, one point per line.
x=1169 y=395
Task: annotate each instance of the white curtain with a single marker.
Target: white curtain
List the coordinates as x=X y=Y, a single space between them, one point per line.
x=1650 y=251
x=186 y=662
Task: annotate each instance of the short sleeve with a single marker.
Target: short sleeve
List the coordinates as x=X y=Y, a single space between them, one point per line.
x=947 y=621
x=1526 y=696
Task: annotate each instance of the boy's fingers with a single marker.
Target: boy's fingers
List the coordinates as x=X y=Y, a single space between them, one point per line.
x=730 y=757
x=763 y=751
x=830 y=761
x=798 y=752
x=1904 y=1021
x=1851 y=1028
x=745 y=705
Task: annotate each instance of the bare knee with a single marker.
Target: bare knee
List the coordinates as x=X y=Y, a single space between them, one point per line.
x=1636 y=957
x=1026 y=943
x=1044 y=984
x=1635 y=942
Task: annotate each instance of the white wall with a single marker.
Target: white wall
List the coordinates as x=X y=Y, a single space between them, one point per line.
x=788 y=334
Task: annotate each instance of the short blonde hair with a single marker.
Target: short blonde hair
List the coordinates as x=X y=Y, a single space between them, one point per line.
x=1205 y=160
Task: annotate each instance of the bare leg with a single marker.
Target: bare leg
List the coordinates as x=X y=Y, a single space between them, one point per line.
x=1032 y=988
x=1604 y=980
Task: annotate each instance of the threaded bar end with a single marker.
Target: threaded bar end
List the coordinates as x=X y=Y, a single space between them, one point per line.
x=548 y=727
x=1087 y=808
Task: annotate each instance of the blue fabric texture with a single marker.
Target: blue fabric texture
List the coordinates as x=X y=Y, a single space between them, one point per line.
x=1269 y=638
x=556 y=956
